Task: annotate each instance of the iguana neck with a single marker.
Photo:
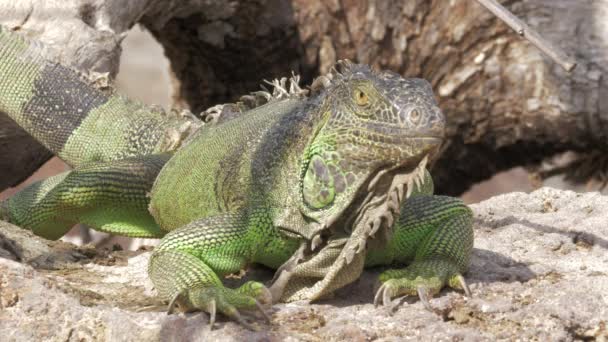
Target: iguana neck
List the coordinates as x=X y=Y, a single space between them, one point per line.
x=330 y=179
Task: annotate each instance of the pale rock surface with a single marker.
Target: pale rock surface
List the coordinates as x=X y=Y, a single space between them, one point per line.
x=539 y=271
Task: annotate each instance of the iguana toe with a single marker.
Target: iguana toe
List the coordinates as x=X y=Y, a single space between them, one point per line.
x=383 y=296
x=212 y=313
x=458 y=282
x=262 y=310
x=423 y=294
x=250 y=296
x=258 y=291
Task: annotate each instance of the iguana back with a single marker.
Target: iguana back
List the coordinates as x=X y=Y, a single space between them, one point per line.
x=228 y=166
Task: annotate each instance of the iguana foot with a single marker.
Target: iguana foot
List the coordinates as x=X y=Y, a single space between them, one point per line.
x=250 y=296
x=423 y=278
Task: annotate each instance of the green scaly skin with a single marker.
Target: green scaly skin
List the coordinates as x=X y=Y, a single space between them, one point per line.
x=298 y=184
x=112 y=197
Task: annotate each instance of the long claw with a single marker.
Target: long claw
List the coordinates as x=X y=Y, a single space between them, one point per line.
x=261 y=308
x=212 y=312
x=424 y=297
x=386 y=298
x=237 y=316
x=173 y=303
x=393 y=308
x=465 y=286
x=379 y=295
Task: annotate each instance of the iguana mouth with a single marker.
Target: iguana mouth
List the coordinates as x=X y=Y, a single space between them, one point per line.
x=325 y=264
x=400 y=133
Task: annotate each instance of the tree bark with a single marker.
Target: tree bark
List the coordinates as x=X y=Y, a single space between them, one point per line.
x=506 y=104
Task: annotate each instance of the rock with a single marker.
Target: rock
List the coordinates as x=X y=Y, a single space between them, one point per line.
x=539 y=271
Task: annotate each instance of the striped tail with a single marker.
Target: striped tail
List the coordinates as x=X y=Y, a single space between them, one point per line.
x=76 y=120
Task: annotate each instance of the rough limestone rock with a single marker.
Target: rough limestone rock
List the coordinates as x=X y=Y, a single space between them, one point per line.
x=539 y=271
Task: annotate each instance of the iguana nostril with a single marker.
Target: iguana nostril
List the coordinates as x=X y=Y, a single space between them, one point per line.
x=437 y=123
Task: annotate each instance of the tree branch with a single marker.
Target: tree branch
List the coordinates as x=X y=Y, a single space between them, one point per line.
x=555 y=53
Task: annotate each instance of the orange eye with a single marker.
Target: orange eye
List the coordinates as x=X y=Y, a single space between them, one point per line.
x=361 y=98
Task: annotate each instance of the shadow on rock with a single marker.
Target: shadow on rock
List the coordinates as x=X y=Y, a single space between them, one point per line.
x=9 y=249
x=577 y=236
x=487 y=267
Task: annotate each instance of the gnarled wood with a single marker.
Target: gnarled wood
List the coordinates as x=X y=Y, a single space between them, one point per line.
x=506 y=103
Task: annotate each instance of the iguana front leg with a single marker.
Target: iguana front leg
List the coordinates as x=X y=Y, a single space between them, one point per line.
x=434 y=235
x=111 y=197
x=187 y=265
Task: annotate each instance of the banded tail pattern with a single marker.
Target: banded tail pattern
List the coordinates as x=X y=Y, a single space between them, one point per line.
x=75 y=119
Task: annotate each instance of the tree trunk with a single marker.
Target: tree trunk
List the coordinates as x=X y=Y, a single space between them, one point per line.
x=506 y=104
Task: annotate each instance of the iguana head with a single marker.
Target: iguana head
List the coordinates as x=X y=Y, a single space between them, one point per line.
x=369 y=150
x=371 y=122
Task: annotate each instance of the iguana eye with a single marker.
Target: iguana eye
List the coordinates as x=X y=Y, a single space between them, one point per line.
x=415 y=116
x=361 y=98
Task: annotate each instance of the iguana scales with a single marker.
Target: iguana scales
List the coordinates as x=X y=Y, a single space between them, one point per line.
x=316 y=183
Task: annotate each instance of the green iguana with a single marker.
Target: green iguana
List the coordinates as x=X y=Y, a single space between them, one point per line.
x=317 y=183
